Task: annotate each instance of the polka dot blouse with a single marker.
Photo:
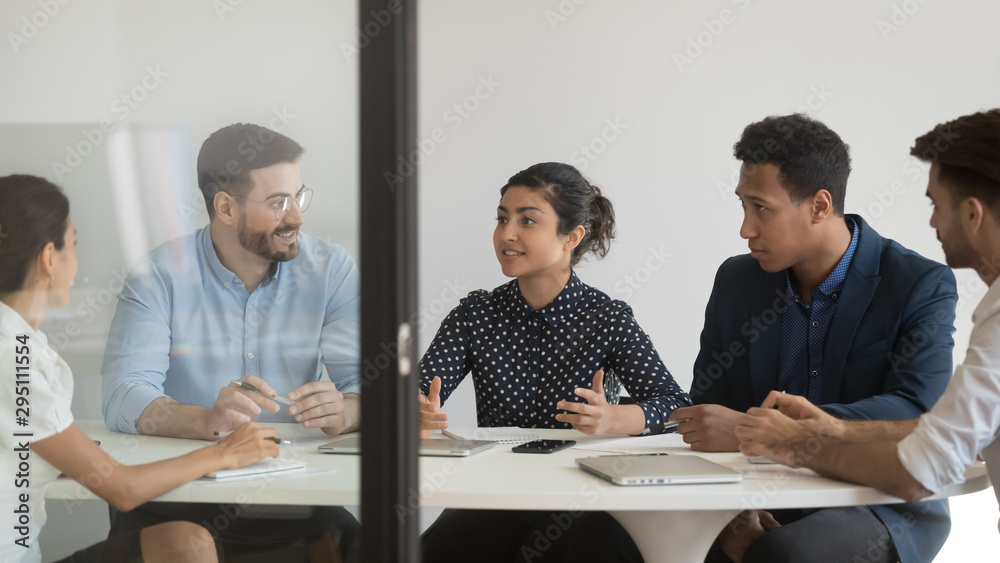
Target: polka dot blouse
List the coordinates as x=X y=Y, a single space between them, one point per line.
x=523 y=361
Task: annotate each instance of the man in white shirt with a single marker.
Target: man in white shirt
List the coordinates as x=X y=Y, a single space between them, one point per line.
x=915 y=458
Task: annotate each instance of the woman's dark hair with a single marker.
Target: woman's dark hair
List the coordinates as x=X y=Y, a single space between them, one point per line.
x=33 y=213
x=809 y=155
x=967 y=151
x=576 y=202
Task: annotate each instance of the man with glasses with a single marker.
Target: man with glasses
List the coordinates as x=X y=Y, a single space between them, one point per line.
x=212 y=327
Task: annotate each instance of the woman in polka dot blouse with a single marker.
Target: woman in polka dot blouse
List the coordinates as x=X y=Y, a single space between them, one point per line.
x=545 y=351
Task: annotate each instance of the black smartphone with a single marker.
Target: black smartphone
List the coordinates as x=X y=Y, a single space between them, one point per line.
x=543 y=446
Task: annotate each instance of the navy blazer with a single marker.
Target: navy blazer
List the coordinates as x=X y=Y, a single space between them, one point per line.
x=888 y=353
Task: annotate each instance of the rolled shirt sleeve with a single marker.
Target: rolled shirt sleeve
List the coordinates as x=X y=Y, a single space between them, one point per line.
x=966 y=418
x=136 y=356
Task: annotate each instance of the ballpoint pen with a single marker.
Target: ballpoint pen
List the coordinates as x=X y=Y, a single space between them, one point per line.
x=247 y=387
x=657 y=428
x=274 y=439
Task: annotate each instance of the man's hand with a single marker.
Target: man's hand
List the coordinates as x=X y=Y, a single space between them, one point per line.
x=769 y=433
x=811 y=417
x=431 y=417
x=235 y=406
x=596 y=416
x=319 y=404
x=708 y=428
x=744 y=530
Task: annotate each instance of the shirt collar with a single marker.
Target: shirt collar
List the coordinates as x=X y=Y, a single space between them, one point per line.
x=833 y=283
x=567 y=302
x=221 y=272
x=12 y=324
x=988 y=303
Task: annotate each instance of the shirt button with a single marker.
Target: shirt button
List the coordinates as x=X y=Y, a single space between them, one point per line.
x=227 y=284
x=815 y=373
x=834 y=295
x=815 y=323
x=250 y=307
x=250 y=355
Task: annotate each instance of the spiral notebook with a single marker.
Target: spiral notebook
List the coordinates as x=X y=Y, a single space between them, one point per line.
x=500 y=435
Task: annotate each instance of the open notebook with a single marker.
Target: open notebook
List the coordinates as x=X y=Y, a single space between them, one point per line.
x=500 y=435
x=269 y=465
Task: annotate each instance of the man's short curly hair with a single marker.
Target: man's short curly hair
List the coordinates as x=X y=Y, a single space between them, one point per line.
x=810 y=156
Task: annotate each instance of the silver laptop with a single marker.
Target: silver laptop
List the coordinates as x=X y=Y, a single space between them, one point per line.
x=447 y=448
x=658 y=470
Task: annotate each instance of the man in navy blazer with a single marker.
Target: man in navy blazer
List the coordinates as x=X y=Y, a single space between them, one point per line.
x=826 y=308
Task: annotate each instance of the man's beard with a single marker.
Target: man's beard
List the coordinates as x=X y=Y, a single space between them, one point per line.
x=958 y=253
x=259 y=242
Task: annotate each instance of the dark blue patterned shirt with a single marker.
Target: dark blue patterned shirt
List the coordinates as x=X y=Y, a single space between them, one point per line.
x=804 y=329
x=523 y=361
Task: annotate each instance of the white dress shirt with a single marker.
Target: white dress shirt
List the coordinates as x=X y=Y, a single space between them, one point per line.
x=966 y=420
x=46 y=412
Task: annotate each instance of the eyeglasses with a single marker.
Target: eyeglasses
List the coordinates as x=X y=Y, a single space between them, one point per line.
x=282 y=205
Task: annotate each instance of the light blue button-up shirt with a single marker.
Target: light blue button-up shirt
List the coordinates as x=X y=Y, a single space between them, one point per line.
x=186 y=326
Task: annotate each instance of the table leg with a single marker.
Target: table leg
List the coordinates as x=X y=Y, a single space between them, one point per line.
x=682 y=536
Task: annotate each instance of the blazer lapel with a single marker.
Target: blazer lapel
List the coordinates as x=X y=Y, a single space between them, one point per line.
x=859 y=288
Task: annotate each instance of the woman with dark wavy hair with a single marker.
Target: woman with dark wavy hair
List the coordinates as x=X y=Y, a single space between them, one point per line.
x=545 y=351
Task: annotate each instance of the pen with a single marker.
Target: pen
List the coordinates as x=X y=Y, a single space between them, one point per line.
x=656 y=429
x=276 y=440
x=247 y=387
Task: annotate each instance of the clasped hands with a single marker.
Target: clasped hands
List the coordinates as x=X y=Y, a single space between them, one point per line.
x=779 y=429
x=317 y=404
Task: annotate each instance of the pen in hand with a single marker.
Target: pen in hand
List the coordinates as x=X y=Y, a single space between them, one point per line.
x=274 y=439
x=247 y=387
x=656 y=429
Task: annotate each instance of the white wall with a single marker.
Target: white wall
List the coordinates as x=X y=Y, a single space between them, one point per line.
x=204 y=68
x=561 y=69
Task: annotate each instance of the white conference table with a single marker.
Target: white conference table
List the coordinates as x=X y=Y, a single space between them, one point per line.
x=668 y=523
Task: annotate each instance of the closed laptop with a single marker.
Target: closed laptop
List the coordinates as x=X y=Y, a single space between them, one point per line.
x=658 y=470
x=428 y=447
